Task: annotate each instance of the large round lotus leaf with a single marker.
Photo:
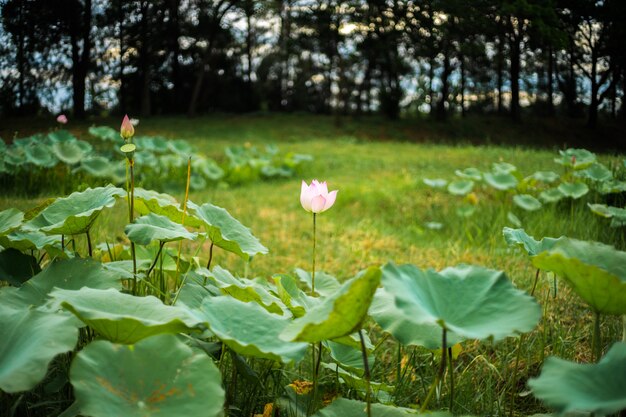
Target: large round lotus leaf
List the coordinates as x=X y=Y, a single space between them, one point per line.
x=435 y=182
x=181 y=147
x=158 y=377
x=226 y=232
x=148 y=201
x=460 y=187
x=485 y=305
x=61 y=135
x=30 y=340
x=520 y=238
x=576 y=158
x=470 y=174
x=10 y=219
x=573 y=189
x=86 y=147
x=349 y=357
x=503 y=168
x=207 y=168
x=527 y=202
x=596 y=172
x=14 y=156
x=243 y=289
x=551 y=195
x=593 y=388
x=513 y=219
x=338 y=315
x=342 y=407
x=597 y=272
x=395 y=321
x=118 y=173
x=466 y=210
x=40 y=155
x=172 y=160
x=612 y=187
x=249 y=329
x=30 y=240
x=501 y=181
x=105 y=133
x=69 y=152
x=609 y=212
x=75 y=213
x=545 y=176
x=17 y=267
x=145 y=158
x=197 y=183
x=70 y=274
x=325 y=284
x=98 y=166
x=123 y=318
x=152 y=227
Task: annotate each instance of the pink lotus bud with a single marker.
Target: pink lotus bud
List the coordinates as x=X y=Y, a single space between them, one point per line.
x=127 y=130
x=315 y=198
x=61 y=118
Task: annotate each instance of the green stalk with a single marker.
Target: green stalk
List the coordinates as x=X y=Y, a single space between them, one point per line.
x=366 y=374
x=131 y=211
x=89 y=244
x=161 y=243
x=208 y=265
x=439 y=376
x=314 y=247
x=596 y=338
x=451 y=370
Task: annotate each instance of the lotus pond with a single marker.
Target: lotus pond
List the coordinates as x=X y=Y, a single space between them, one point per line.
x=442 y=280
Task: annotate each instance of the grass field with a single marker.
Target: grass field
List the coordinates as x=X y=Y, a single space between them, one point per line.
x=381 y=215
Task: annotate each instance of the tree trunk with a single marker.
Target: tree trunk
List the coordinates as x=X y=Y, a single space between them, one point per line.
x=592 y=120
x=550 y=82
x=515 y=73
x=80 y=57
x=146 y=105
x=445 y=86
x=21 y=60
x=463 y=80
x=500 y=70
x=122 y=90
x=175 y=49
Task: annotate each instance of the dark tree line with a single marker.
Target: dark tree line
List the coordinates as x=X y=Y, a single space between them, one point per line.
x=326 y=56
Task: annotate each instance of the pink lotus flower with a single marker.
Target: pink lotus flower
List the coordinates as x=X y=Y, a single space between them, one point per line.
x=61 y=118
x=127 y=130
x=316 y=198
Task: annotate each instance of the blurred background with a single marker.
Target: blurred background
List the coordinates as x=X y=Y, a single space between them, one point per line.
x=394 y=58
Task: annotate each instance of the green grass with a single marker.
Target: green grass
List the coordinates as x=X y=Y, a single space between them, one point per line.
x=380 y=216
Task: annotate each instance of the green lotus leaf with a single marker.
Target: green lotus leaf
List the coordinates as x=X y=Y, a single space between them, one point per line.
x=180 y=147
x=135 y=381
x=69 y=152
x=462 y=187
x=576 y=158
x=596 y=272
x=244 y=289
x=325 y=284
x=123 y=318
x=515 y=221
x=14 y=156
x=75 y=213
x=292 y=297
x=485 y=305
x=86 y=147
x=98 y=166
x=520 y=238
x=40 y=155
x=17 y=267
x=172 y=160
x=433 y=225
x=551 y=195
x=350 y=358
x=197 y=182
x=356 y=383
x=501 y=181
x=30 y=340
x=338 y=315
x=503 y=168
x=61 y=135
x=618 y=215
x=596 y=172
x=403 y=328
x=208 y=168
x=612 y=187
x=10 y=219
x=545 y=176
x=70 y=274
x=105 y=133
x=148 y=228
x=466 y=210
x=573 y=190
x=249 y=329
x=226 y=232
x=343 y=407
x=435 y=183
x=193 y=292
x=527 y=202
x=31 y=240
x=593 y=388
x=473 y=174
x=148 y=201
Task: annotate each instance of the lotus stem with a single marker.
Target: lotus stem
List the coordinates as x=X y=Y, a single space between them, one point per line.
x=532 y=291
x=208 y=265
x=596 y=338
x=451 y=370
x=442 y=369
x=182 y=220
x=366 y=374
x=89 y=244
x=316 y=371
x=161 y=244
x=131 y=211
x=314 y=247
